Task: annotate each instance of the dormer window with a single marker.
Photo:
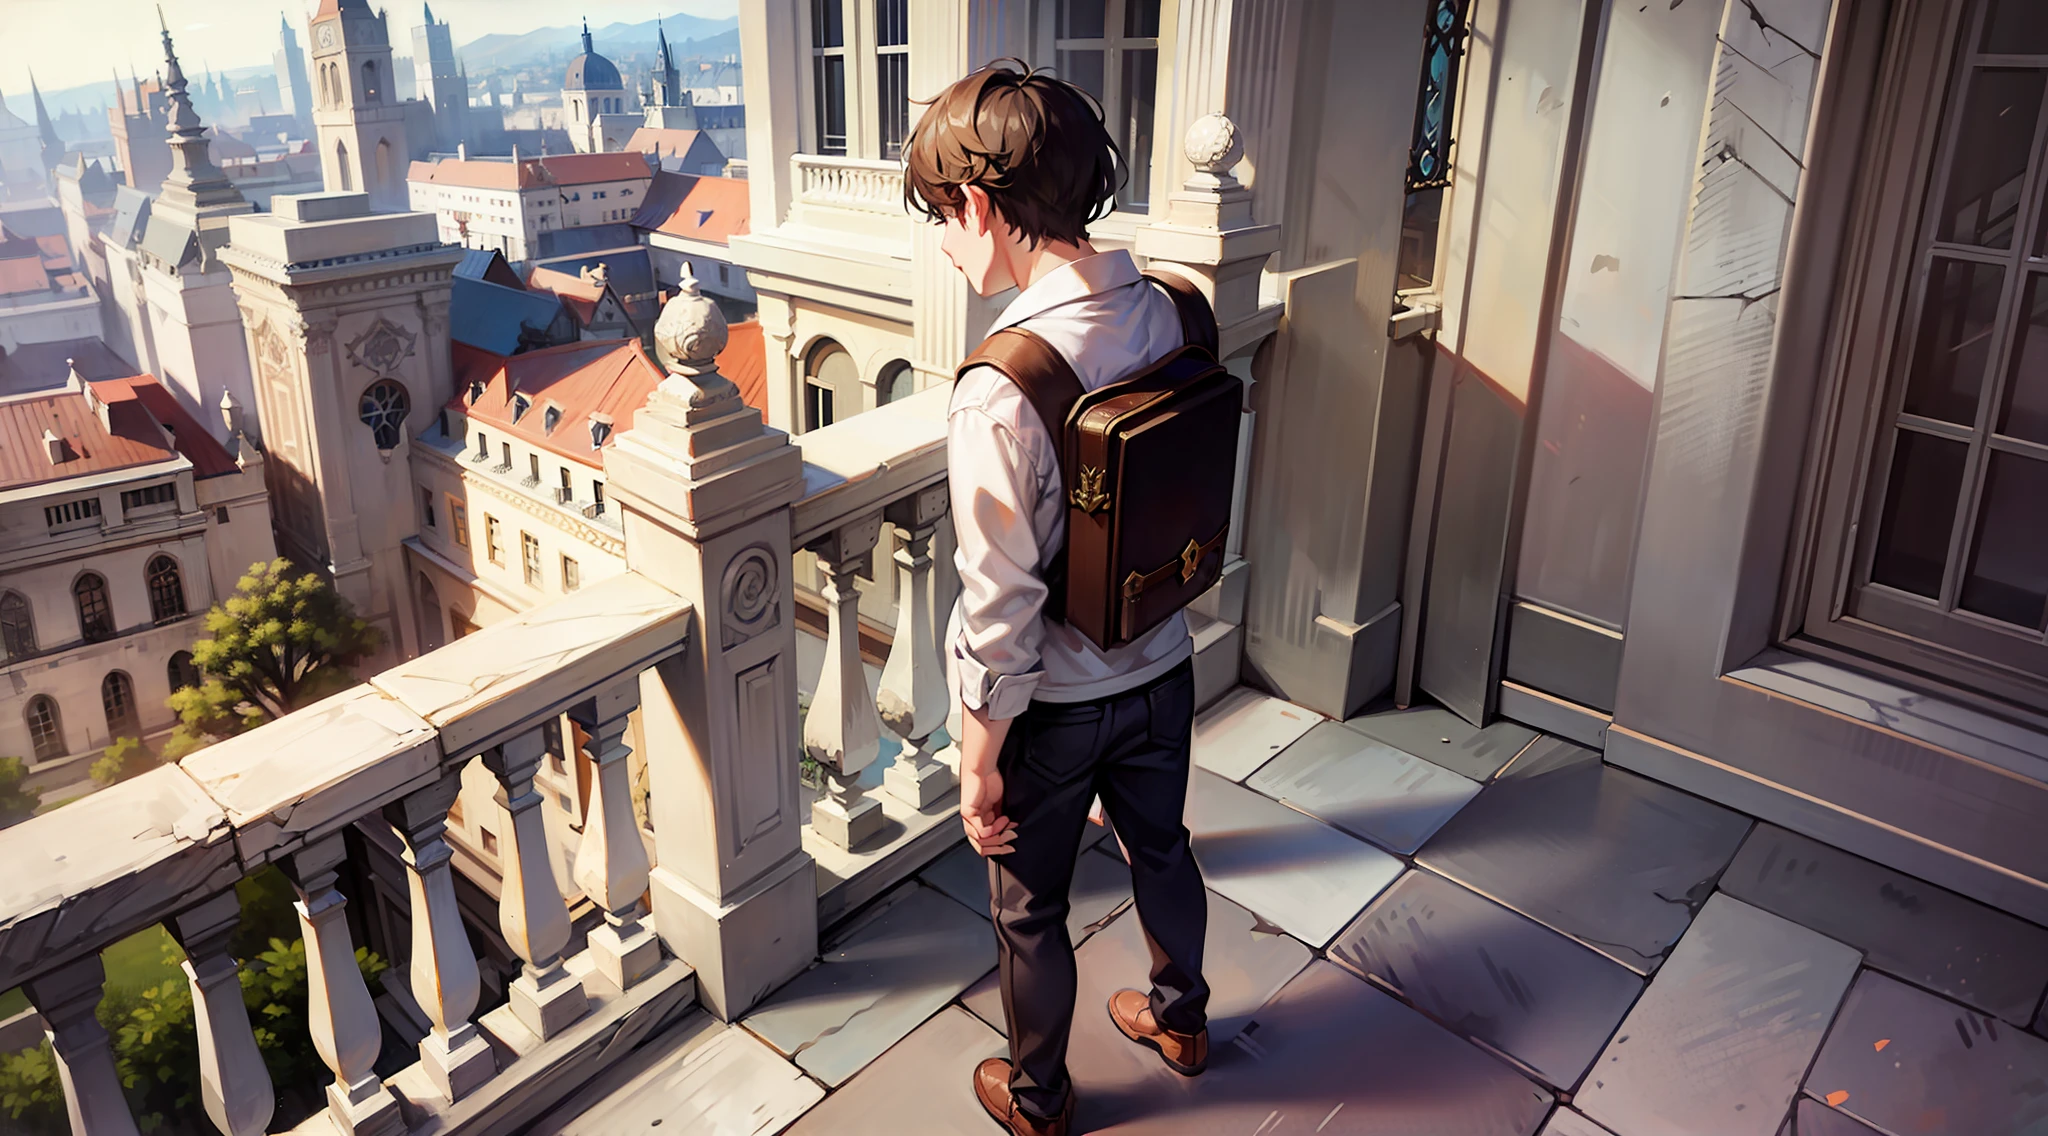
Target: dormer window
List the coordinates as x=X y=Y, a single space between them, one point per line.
x=549 y=419
x=599 y=431
x=476 y=390
x=520 y=405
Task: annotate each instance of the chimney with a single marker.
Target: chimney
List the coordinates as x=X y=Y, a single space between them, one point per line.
x=72 y=380
x=54 y=446
x=462 y=151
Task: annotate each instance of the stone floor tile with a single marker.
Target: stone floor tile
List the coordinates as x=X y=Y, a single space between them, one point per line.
x=1365 y=787
x=1245 y=729
x=890 y=969
x=1913 y=930
x=1565 y=1122
x=1329 y=1055
x=1300 y=874
x=1614 y=860
x=923 y=1084
x=1720 y=1040
x=1436 y=734
x=1245 y=960
x=1102 y=886
x=1813 y=1118
x=1490 y=974
x=714 y=1078
x=1909 y=1062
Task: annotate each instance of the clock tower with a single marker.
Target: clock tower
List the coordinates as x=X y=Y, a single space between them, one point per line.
x=359 y=122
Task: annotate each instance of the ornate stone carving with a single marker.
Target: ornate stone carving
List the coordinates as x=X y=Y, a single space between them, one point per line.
x=752 y=596
x=687 y=339
x=1213 y=145
x=273 y=355
x=382 y=348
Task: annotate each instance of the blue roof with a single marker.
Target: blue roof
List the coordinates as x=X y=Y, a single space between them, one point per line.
x=490 y=317
x=629 y=270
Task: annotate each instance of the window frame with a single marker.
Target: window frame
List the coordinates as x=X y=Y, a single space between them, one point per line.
x=97 y=624
x=529 y=559
x=50 y=727
x=165 y=581
x=17 y=637
x=118 y=686
x=494 y=549
x=1113 y=43
x=849 y=83
x=458 y=521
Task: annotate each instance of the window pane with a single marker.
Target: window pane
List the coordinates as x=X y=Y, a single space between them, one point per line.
x=1989 y=166
x=893 y=94
x=2008 y=577
x=1141 y=18
x=1079 y=19
x=2016 y=27
x=1955 y=340
x=892 y=23
x=1419 y=228
x=2026 y=397
x=828 y=23
x=1084 y=70
x=831 y=104
x=1140 y=78
x=1919 y=513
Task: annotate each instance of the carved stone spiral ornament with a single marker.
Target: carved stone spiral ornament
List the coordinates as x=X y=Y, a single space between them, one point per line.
x=1213 y=144
x=750 y=591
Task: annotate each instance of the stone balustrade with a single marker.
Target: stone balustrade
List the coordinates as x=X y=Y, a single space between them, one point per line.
x=854 y=196
x=168 y=847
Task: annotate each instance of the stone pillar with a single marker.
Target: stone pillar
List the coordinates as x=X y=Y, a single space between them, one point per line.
x=841 y=733
x=545 y=997
x=914 y=697
x=947 y=318
x=705 y=492
x=339 y=1013
x=67 y=998
x=234 y=1087
x=611 y=863
x=444 y=977
x=1208 y=234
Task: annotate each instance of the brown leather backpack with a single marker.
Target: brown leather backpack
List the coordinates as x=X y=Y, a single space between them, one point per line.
x=1148 y=464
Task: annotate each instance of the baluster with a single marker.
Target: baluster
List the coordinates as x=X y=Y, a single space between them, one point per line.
x=914 y=695
x=444 y=978
x=611 y=865
x=842 y=733
x=67 y=998
x=233 y=1084
x=545 y=997
x=339 y=1013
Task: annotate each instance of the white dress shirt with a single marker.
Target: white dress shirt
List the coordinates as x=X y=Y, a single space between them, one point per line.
x=1009 y=506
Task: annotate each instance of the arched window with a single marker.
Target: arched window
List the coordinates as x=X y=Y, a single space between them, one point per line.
x=896 y=381
x=383 y=410
x=95 y=613
x=45 y=728
x=827 y=371
x=17 y=631
x=182 y=671
x=117 y=697
x=383 y=162
x=166 y=589
x=348 y=182
x=370 y=93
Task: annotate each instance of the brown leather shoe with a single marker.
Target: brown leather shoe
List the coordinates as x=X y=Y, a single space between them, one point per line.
x=1184 y=1053
x=992 y=1089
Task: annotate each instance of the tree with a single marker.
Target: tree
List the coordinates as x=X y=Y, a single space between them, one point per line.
x=16 y=802
x=281 y=642
x=122 y=760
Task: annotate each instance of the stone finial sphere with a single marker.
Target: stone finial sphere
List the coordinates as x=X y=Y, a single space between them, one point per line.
x=691 y=331
x=1213 y=144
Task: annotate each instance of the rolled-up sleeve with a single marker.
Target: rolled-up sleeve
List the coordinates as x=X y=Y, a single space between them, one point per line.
x=999 y=627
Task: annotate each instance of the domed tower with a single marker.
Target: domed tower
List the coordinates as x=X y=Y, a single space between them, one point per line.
x=591 y=90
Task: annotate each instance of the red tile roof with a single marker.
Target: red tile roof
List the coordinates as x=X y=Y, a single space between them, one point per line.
x=529 y=173
x=56 y=252
x=610 y=377
x=208 y=457
x=663 y=142
x=135 y=408
x=23 y=275
x=713 y=209
x=745 y=362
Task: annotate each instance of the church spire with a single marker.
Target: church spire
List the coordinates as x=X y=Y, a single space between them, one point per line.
x=430 y=14
x=587 y=49
x=191 y=163
x=53 y=146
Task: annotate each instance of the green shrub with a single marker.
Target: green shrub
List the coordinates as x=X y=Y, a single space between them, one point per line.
x=16 y=803
x=126 y=758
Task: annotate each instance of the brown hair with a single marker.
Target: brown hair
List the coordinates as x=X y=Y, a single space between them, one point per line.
x=1035 y=144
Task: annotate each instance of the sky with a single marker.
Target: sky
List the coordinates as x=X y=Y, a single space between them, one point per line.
x=69 y=42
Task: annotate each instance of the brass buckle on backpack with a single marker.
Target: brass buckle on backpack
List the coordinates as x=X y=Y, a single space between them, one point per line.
x=1088 y=496
x=1190 y=558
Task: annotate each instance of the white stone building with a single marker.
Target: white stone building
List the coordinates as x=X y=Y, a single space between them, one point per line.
x=508 y=205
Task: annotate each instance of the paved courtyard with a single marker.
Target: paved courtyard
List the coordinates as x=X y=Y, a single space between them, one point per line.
x=1418 y=929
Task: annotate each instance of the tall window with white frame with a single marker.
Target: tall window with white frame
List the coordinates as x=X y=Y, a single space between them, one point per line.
x=828 y=75
x=1110 y=48
x=892 y=75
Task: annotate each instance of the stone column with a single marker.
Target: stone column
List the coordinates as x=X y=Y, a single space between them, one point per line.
x=914 y=697
x=234 y=1086
x=545 y=997
x=1208 y=234
x=444 y=977
x=67 y=998
x=705 y=494
x=947 y=318
x=339 y=1013
x=841 y=733
x=611 y=863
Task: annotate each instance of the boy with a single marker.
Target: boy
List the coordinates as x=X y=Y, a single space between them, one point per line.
x=1014 y=164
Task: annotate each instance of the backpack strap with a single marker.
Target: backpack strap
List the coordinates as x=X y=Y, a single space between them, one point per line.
x=1197 y=318
x=1050 y=385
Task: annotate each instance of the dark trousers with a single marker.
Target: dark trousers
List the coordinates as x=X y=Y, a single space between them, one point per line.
x=1131 y=749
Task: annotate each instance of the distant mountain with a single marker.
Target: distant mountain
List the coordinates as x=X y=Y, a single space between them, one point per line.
x=612 y=40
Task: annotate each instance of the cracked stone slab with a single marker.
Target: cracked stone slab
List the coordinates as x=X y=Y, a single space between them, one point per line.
x=1365 y=787
x=1565 y=1122
x=1489 y=974
x=1814 y=1118
x=1913 y=930
x=1435 y=734
x=1330 y=1055
x=1245 y=960
x=1906 y=1061
x=1102 y=886
x=1720 y=1040
x=713 y=1078
x=1245 y=729
x=487 y=686
x=1614 y=860
x=1301 y=875
x=888 y=971
x=928 y=1074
